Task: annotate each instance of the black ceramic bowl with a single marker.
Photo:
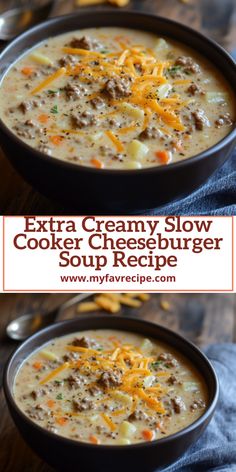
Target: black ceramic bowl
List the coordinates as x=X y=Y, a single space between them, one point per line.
x=67 y=454
x=115 y=191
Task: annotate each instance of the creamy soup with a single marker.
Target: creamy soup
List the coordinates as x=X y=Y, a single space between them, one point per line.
x=110 y=387
x=116 y=98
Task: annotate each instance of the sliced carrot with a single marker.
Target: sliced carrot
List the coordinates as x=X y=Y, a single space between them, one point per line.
x=163 y=156
x=37 y=365
x=148 y=435
x=97 y=163
x=93 y=439
x=43 y=118
x=27 y=70
x=50 y=403
x=56 y=140
x=61 y=421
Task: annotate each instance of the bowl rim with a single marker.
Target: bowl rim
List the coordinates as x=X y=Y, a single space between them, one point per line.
x=87 y=317
x=100 y=12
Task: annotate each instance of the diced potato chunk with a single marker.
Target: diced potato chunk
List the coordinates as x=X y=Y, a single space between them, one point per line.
x=191 y=386
x=95 y=136
x=163 y=90
x=41 y=59
x=146 y=346
x=94 y=418
x=123 y=441
x=127 y=429
x=217 y=97
x=50 y=356
x=137 y=150
x=161 y=44
x=133 y=165
x=135 y=112
x=148 y=381
x=122 y=397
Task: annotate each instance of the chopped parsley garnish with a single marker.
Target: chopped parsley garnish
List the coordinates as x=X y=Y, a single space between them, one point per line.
x=156 y=364
x=59 y=382
x=59 y=396
x=54 y=110
x=52 y=92
x=174 y=69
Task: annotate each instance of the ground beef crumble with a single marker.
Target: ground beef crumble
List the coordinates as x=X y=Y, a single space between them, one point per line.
x=178 y=405
x=188 y=64
x=83 y=405
x=150 y=133
x=85 y=42
x=200 y=119
x=197 y=404
x=168 y=359
x=117 y=87
x=110 y=378
x=223 y=120
x=82 y=120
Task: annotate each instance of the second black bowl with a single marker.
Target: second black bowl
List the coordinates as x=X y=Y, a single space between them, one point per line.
x=67 y=454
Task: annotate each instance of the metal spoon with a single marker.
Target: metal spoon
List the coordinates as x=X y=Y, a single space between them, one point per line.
x=16 y=20
x=26 y=325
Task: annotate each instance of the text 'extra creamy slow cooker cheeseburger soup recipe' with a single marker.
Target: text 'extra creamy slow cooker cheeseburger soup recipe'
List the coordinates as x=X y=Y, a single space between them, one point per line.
x=116 y=98
x=110 y=387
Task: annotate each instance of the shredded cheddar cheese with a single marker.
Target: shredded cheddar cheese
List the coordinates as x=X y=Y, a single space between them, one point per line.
x=48 y=80
x=108 y=421
x=117 y=143
x=54 y=373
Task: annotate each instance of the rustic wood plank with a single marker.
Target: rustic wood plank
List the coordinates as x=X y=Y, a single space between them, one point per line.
x=213 y=17
x=203 y=318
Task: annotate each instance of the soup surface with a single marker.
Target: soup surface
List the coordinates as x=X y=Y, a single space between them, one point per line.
x=110 y=387
x=116 y=98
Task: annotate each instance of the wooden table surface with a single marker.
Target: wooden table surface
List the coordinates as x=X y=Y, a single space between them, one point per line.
x=204 y=319
x=217 y=18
